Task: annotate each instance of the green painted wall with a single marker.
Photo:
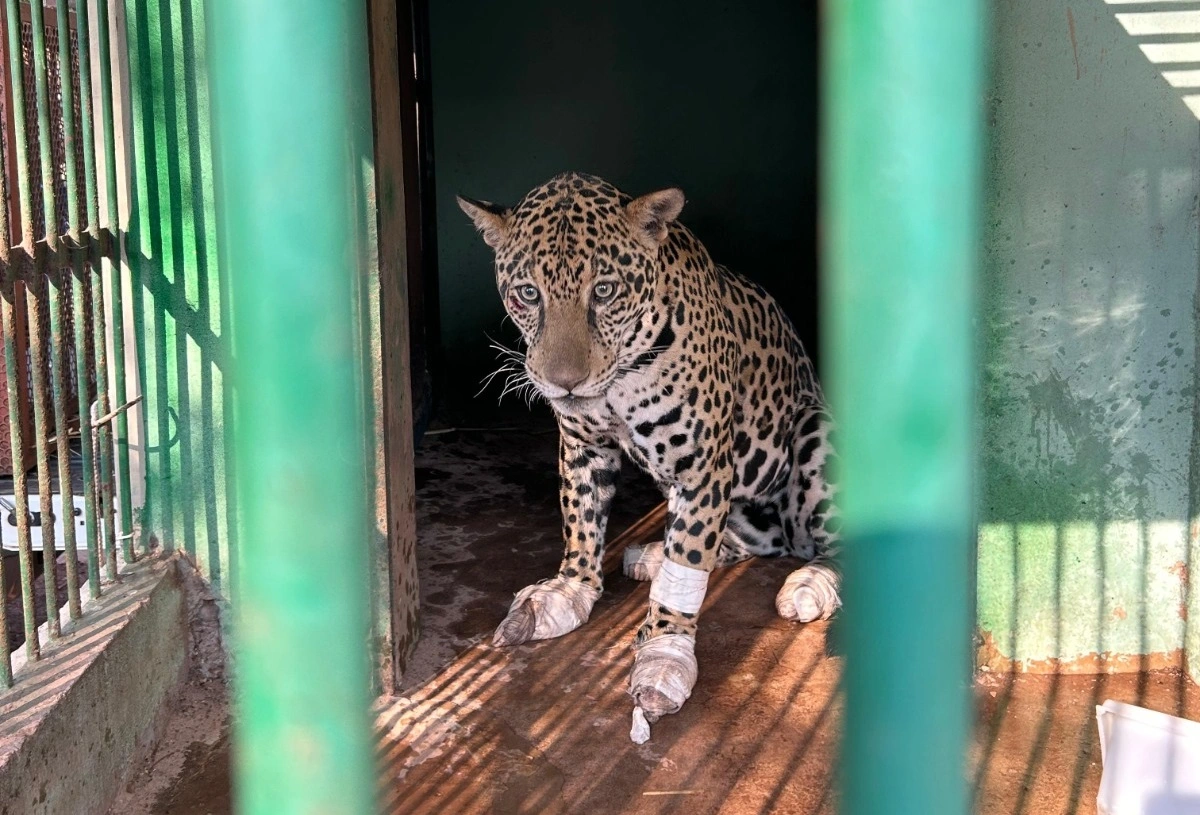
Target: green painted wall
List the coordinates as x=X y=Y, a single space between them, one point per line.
x=718 y=98
x=1088 y=341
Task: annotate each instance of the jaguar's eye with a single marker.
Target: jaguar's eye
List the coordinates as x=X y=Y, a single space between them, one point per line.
x=528 y=293
x=604 y=290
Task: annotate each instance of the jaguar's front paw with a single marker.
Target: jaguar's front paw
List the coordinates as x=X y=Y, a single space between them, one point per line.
x=664 y=673
x=546 y=610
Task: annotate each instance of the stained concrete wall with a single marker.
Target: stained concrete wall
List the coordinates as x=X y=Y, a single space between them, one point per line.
x=1088 y=345
x=79 y=722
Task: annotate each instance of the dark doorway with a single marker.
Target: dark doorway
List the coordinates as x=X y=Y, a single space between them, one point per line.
x=720 y=99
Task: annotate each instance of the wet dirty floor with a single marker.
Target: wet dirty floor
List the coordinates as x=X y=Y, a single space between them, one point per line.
x=543 y=728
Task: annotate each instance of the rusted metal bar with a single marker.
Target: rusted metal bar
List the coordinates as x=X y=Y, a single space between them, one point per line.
x=61 y=282
x=20 y=485
x=111 y=272
x=8 y=303
x=102 y=436
x=100 y=246
x=60 y=360
x=7 y=285
x=37 y=294
x=87 y=443
x=39 y=303
x=115 y=412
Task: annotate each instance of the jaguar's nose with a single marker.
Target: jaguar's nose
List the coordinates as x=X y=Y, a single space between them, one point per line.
x=567 y=376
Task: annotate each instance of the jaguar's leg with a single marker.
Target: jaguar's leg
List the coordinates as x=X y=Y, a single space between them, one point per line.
x=664 y=666
x=811 y=525
x=751 y=530
x=588 y=471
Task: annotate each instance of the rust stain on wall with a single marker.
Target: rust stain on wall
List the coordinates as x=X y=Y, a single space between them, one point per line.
x=989 y=658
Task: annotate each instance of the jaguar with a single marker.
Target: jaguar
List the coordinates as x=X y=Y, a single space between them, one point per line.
x=643 y=346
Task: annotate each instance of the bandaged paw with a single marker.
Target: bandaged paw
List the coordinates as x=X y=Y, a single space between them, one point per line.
x=546 y=610
x=809 y=593
x=643 y=562
x=664 y=673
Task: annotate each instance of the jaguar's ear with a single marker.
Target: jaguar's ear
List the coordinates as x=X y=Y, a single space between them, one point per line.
x=490 y=219
x=651 y=214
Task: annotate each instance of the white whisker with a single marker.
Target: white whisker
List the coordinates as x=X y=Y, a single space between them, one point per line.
x=507 y=367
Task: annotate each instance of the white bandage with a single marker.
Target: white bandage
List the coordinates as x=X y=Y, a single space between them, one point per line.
x=664 y=673
x=556 y=607
x=640 y=732
x=809 y=593
x=679 y=588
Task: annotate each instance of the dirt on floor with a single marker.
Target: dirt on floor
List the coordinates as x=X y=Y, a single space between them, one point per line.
x=544 y=728
x=14 y=604
x=188 y=772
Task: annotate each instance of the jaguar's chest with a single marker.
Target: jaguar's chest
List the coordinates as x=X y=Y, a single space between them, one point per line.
x=660 y=437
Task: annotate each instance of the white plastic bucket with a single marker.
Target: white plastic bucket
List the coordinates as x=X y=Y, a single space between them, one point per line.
x=1151 y=762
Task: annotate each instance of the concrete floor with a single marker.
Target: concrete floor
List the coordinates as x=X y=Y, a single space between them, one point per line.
x=543 y=728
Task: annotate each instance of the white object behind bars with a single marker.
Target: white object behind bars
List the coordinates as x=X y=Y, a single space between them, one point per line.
x=1151 y=762
x=8 y=523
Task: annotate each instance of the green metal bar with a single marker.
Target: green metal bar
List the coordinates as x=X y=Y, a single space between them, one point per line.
x=82 y=268
x=37 y=293
x=290 y=144
x=8 y=306
x=7 y=294
x=102 y=436
x=38 y=298
x=60 y=356
x=86 y=440
x=13 y=390
x=903 y=90
x=59 y=360
x=67 y=96
x=111 y=272
x=20 y=484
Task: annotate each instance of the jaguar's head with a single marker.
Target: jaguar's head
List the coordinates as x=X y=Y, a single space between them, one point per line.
x=578 y=265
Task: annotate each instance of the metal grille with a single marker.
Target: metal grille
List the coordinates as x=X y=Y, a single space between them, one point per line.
x=52 y=318
x=58 y=159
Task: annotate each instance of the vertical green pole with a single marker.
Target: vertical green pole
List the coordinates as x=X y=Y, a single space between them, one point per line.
x=8 y=314
x=84 y=276
x=111 y=271
x=104 y=260
x=288 y=130
x=63 y=282
x=902 y=188
x=13 y=391
x=41 y=338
